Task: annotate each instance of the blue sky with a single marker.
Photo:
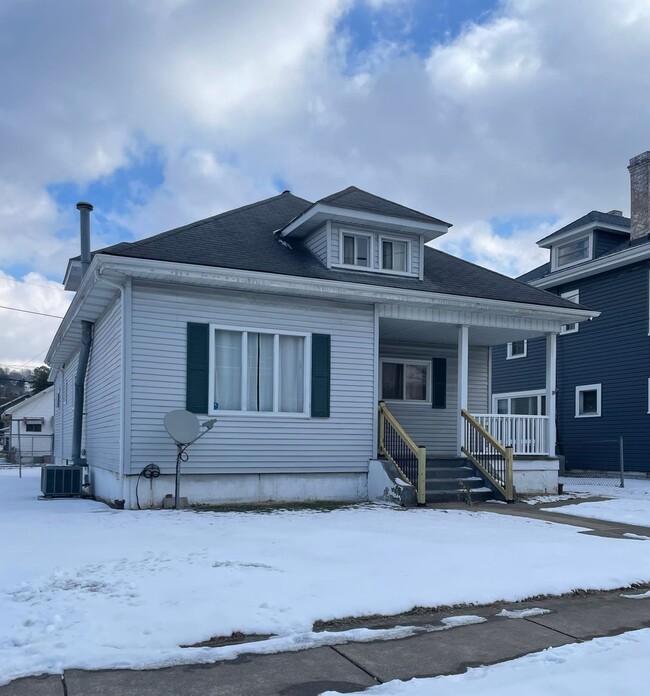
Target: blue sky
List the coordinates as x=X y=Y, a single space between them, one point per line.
x=487 y=114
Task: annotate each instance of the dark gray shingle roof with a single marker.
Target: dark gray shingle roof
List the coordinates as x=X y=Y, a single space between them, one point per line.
x=244 y=239
x=592 y=218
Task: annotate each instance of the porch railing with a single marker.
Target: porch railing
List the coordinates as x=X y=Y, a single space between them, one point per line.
x=527 y=435
x=397 y=446
x=489 y=456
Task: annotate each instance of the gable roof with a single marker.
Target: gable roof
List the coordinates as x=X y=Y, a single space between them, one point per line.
x=246 y=239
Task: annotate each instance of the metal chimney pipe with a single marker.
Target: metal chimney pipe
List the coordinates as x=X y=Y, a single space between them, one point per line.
x=84 y=222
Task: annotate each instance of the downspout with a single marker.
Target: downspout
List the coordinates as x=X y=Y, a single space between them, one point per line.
x=86 y=342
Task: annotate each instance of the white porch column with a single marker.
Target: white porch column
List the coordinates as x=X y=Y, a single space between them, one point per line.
x=551 y=371
x=463 y=382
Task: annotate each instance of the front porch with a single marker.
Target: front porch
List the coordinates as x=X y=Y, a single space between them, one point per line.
x=434 y=419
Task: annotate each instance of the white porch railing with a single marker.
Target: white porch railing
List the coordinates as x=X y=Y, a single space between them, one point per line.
x=527 y=435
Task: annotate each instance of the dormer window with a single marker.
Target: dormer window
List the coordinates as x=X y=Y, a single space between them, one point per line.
x=573 y=252
x=394 y=255
x=356 y=249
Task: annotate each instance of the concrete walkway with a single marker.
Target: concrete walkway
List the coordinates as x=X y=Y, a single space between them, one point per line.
x=353 y=667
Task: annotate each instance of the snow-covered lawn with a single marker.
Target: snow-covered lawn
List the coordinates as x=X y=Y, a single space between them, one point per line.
x=627 y=511
x=629 y=505
x=85 y=586
x=600 y=667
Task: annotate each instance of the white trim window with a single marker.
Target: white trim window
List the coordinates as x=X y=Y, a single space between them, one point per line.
x=394 y=254
x=573 y=252
x=572 y=296
x=406 y=380
x=588 y=401
x=526 y=403
x=356 y=249
x=517 y=349
x=258 y=371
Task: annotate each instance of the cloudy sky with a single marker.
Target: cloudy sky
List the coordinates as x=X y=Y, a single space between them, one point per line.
x=507 y=118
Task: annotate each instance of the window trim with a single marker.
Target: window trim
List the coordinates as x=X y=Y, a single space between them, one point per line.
x=599 y=403
x=371 y=249
x=409 y=253
x=569 y=295
x=539 y=393
x=305 y=413
x=510 y=356
x=406 y=361
x=556 y=248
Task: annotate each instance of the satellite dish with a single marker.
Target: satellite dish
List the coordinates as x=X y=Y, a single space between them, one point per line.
x=183 y=426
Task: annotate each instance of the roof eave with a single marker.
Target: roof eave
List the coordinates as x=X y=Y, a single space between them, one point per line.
x=312 y=218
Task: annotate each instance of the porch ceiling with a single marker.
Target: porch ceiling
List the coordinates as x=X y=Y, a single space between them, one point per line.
x=411 y=331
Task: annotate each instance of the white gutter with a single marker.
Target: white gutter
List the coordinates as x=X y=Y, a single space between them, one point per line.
x=604 y=263
x=253 y=280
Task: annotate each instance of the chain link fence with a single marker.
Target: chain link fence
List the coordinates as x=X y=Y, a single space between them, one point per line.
x=614 y=476
x=30 y=450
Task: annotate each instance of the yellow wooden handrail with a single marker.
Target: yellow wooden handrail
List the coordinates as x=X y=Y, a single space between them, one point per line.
x=505 y=487
x=419 y=452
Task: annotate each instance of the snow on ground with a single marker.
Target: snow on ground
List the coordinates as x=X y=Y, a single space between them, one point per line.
x=634 y=487
x=603 y=666
x=85 y=586
x=627 y=511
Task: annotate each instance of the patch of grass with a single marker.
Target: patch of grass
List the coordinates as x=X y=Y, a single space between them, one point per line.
x=271 y=507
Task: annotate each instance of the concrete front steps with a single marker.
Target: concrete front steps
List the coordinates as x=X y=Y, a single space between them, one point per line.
x=454 y=480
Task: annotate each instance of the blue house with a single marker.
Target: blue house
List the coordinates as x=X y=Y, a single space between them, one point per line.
x=602 y=261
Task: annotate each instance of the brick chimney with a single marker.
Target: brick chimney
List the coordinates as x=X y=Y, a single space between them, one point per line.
x=639 y=169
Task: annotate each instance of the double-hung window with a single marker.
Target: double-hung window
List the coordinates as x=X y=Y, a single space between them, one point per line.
x=258 y=371
x=572 y=296
x=406 y=380
x=356 y=249
x=394 y=255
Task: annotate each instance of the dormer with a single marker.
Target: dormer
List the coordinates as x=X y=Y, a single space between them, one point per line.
x=587 y=238
x=356 y=231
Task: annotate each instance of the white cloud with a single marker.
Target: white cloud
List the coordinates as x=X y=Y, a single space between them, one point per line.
x=532 y=113
x=25 y=338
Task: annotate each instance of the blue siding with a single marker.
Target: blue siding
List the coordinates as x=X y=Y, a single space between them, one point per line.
x=604 y=242
x=612 y=350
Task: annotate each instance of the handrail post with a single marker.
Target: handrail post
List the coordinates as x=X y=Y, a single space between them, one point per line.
x=422 y=475
x=510 y=493
x=381 y=427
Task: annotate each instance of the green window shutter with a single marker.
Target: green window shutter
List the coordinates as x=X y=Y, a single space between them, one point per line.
x=439 y=383
x=198 y=368
x=320 y=375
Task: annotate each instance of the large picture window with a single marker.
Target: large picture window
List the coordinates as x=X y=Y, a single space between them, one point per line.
x=258 y=371
x=406 y=380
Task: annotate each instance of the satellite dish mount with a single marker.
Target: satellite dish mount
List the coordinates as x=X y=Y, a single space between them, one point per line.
x=184 y=428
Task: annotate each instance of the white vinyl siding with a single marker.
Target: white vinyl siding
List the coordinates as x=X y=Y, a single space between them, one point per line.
x=67 y=408
x=412 y=241
x=317 y=244
x=244 y=443
x=435 y=428
x=102 y=423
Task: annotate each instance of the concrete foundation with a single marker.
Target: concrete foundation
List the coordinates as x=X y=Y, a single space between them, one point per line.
x=536 y=475
x=217 y=489
x=386 y=485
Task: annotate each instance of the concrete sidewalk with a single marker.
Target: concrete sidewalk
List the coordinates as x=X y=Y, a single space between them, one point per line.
x=353 y=667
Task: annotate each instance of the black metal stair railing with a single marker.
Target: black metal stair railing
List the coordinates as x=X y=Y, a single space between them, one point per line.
x=397 y=446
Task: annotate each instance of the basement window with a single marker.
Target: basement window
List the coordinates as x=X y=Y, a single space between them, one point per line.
x=588 y=401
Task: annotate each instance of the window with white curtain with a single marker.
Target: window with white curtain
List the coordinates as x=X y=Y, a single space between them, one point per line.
x=258 y=371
